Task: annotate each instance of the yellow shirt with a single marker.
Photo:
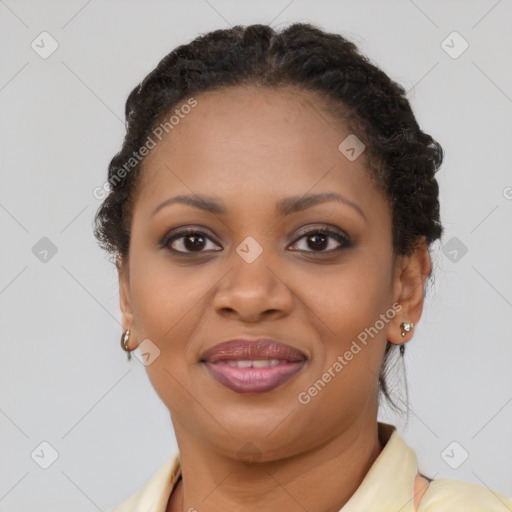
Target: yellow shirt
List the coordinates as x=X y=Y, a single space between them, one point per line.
x=387 y=487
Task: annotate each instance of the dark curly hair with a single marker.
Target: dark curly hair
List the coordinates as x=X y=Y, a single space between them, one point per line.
x=401 y=159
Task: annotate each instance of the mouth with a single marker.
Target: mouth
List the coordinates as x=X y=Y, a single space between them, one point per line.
x=252 y=366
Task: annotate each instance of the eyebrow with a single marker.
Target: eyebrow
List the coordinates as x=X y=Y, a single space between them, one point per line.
x=284 y=206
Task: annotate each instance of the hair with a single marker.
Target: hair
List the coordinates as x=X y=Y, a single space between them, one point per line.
x=402 y=160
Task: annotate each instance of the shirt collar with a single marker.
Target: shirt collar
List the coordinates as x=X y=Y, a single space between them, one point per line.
x=389 y=484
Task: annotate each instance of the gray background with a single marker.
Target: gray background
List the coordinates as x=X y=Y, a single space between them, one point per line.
x=63 y=377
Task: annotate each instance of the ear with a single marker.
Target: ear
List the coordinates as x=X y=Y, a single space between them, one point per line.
x=410 y=276
x=125 y=304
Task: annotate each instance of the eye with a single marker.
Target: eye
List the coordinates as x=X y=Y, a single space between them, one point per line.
x=187 y=241
x=323 y=240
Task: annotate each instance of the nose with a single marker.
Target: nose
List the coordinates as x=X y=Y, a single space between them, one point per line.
x=253 y=291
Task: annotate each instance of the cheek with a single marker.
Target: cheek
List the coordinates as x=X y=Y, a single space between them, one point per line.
x=162 y=293
x=349 y=297
x=167 y=308
x=349 y=305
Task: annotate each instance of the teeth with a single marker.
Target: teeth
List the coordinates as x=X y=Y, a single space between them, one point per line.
x=262 y=363
x=259 y=363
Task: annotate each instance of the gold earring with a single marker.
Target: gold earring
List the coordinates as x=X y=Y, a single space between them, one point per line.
x=124 y=343
x=406 y=327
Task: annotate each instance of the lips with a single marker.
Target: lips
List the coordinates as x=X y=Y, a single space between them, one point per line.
x=250 y=365
x=244 y=349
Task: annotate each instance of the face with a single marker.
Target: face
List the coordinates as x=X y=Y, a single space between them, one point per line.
x=312 y=274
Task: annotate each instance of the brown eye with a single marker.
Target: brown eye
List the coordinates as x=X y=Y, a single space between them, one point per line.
x=322 y=240
x=188 y=241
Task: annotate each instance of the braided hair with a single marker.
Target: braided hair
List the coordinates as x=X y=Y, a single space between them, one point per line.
x=402 y=159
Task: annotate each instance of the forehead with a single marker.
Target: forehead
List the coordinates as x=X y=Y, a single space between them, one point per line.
x=259 y=142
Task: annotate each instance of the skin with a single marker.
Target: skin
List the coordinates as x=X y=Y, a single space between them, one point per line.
x=250 y=147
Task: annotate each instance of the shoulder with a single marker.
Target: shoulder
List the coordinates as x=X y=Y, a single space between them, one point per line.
x=447 y=495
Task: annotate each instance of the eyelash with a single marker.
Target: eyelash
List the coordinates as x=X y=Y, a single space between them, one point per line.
x=343 y=240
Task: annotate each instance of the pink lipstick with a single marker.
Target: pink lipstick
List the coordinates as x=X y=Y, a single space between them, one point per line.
x=252 y=365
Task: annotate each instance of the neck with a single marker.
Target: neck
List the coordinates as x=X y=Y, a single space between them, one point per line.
x=321 y=479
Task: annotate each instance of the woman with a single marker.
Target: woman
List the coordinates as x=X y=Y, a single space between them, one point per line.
x=270 y=214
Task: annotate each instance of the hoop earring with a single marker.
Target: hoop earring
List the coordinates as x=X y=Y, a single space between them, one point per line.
x=124 y=343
